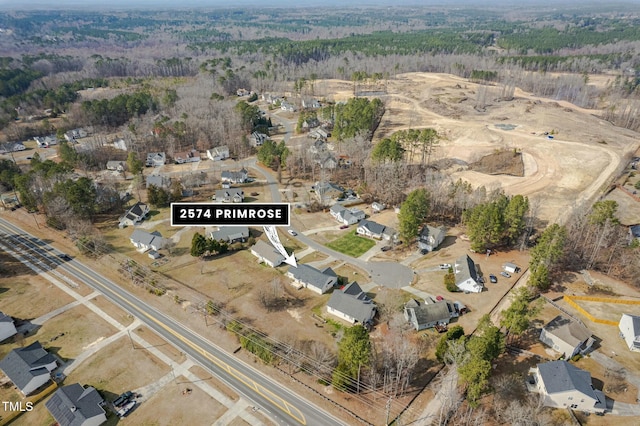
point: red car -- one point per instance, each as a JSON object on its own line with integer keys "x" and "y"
{"x": 439, "y": 298}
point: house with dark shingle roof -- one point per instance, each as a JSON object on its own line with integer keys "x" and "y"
{"x": 314, "y": 279}
{"x": 352, "y": 304}
{"x": 7, "y": 327}
{"x": 466, "y": 275}
{"x": 563, "y": 385}
{"x": 629, "y": 326}
{"x": 267, "y": 253}
{"x": 231, "y": 234}
{"x": 134, "y": 215}
{"x": 29, "y": 367}
{"x": 422, "y": 315}
{"x": 75, "y": 405}
{"x": 566, "y": 336}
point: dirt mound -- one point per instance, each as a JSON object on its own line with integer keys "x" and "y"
{"x": 501, "y": 163}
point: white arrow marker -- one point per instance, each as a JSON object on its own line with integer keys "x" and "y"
{"x": 273, "y": 236}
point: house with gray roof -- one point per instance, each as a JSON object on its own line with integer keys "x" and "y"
{"x": 319, "y": 281}
{"x": 144, "y": 241}
{"x": 566, "y": 336}
{"x": 75, "y": 405}
{"x": 8, "y": 147}
{"x": 218, "y": 153}
{"x": 134, "y": 215}
{"x": 159, "y": 181}
{"x": 352, "y": 305}
{"x": 346, "y": 216}
{"x": 7, "y": 327}
{"x": 266, "y": 253}
{"x": 423, "y": 315}
{"x": 327, "y": 190}
{"x": 231, "y": 234}
{"x": 229, "y": 195}
{"x": 240, "y": 176}
{"x": 370, "y": 229}
{"x": 431, "y": 237}
{"x": 46, "y": 141}
{"x": 466, "y": 274}
{"x": 74, "y": 134}
{"x": 115, "y": 165}
{"x": 629, "y": 326}
{"x": 28, "y": 368}
{"x": 563, "y": 385}
{"x": 156, "y": 159}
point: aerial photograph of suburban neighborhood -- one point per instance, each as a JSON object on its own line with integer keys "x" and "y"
{"x": 320, "y": 213}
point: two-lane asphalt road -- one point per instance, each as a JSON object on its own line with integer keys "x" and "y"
{"x": 283, "y": 406}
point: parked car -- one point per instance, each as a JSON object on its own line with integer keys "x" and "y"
{"x": 439, "y": 298}
{"x": 126, "y": 408}
{"x": 505, "y": 274}
{"x": 292, "y": 232}
{"x": 123, "y": 399}
{"x": 386, "y": 248}
{"x": 493, "y": 278}
{"x": 344, "y": 226}
{"x": 64, "y": 256}
{"x": 445, "y": 265}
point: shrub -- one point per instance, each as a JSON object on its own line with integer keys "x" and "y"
{"x": 450, "y": 282}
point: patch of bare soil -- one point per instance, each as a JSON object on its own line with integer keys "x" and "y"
{"x": 500, "y": 163}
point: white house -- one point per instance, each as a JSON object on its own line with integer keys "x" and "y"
{"x": 46, "y": 141}
{"x": 8, "y": 147}
{"x": 562, "y": 385}
{"x": 74, "y": 134}
{"x": 315, "y": 280}
{"x": 134, "y": 215}
{"x": 143, "y": 240}
{"x": 218, "y": 153}
{"x": 75, "y": 405}
{"x": 7, "y": 327}
{"x": 229, "y": 195}
{"x": 240, "y": 176}
{"x": 566, "y": 336}
{"x": 28, "y": 368}
{"x": 370, "y": 229}
{"x": 431, "y": 237}
{"x": 377, "y": 207}
{"x": 158, "y": 181}
{"x": 629, "y": 326}
{"x": 466, "y": 275}
{"x": 352, "y": 304}
{"x": 156, "y": 159}
{"x": 115, "y": 165}
{"x": 346, "y": 216}
{"x": 257, "y": 139}
{"x": 267, "y": 253}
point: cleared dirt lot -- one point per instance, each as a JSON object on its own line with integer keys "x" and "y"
{"x": 72, "y": 332}
{"x": 119, "y": 367}
{"x": 24, "y": 295}
{"x": 574, "y": 165}
{"x": 170, "y": 406}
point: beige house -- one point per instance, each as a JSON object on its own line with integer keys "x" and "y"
{"x": 562, "y": 385}
{"x": 566, "y": 336}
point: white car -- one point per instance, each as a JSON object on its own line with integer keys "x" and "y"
{"x": 126, "y": 408}
{"x": 445, "y": 266}
{"x": 292, "y": 232}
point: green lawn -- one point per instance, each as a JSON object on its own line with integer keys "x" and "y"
{"x": 351, "y": 244}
